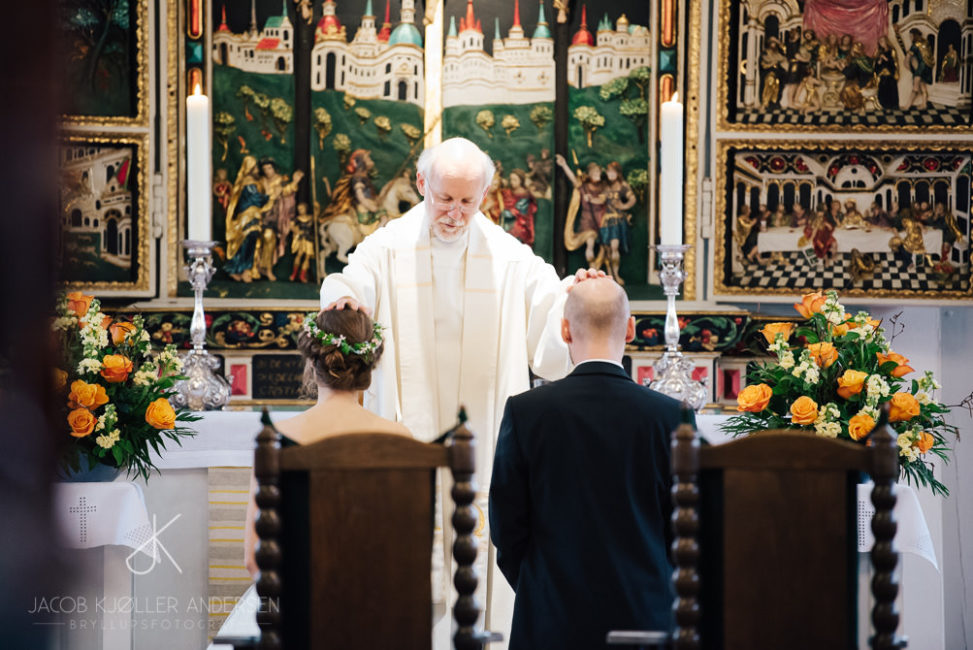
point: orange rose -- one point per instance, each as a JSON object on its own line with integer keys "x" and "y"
{"x": 85, "y": 395}
{"x": 82, "y": 422}
{"x": 60, "y": 380}
{"x": 120, "y": 331}
{"x": 851, "y": 383}
{"x": 78, "y": 303}
{"x": 754, "y": 398}
{"x": 160, "y": 414}
{"x": 117, "y": 367}
{"x": 842, "y": 328}
{"x": 771, "y": 330}
{"x": 902, "y": 367}
{"x": 824, "y": 354}
{"x": 804, "y": 410}
{"x": 811, "y": 303}
{"x": 904, "y": 407}
{"x": 860, "y": 425}
{"x": 926, "y": 441}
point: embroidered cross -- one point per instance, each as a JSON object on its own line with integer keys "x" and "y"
{"x": 82, "y": 510}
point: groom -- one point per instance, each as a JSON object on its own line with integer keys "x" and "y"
{"x": 579, "y": 500}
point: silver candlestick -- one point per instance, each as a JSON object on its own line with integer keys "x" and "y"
{"x": 674, "y": 372}
{"x": 203, "y": 388}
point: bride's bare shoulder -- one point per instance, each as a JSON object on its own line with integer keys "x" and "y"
{"x": 315, "y": 424}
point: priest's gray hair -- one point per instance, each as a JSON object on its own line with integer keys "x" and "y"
{"x": 597, "y": 309}
{"x": 455, "y": 151}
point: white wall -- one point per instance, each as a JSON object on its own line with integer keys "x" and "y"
{"x": 956, "y": 349}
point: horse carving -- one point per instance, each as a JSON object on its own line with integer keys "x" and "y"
{"x": 356, "y": 212}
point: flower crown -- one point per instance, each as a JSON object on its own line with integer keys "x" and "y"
{"x": 364, "y": 349}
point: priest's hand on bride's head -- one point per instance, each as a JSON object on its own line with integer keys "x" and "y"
{"x": 350, "y": 303}
{"x": 586, "y": 274}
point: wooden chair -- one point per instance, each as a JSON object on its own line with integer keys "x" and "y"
{"x": 766, "y": 543}
{"x": 346, "y": 530}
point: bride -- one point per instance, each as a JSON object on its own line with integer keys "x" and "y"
{"x": 340, "y": 348}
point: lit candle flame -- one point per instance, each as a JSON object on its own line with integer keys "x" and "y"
{"x": 197, "y": 91}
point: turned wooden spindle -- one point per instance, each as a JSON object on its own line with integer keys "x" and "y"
{"x": 685, "y": 523}
{"x": 266, "y": 469}
{"x": 885, "y": 587}
{"x": 467, "y": 609}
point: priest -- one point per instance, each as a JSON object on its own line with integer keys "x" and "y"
{"x": 467, "y": 308}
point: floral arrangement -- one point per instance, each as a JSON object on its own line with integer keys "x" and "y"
{"x": 831, "y": 375}
{"x": 115, "y": 390}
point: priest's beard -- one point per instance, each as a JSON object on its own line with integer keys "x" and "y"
{"x": 447, "y": 229}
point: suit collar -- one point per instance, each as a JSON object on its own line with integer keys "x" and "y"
{"x": 599, "y": 368}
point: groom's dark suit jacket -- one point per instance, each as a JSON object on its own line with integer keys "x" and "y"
{"x": 580, "y": 506}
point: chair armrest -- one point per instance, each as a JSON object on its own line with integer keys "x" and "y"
{"x": 238, "y": 642}
{"x": 643, "y": 638}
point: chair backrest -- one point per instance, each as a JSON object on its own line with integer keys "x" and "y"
{"x": 345, "y": 528}
{"x": 766, "y": 547}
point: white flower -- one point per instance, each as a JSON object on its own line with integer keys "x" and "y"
{"x": 145, "y": 376}
{"x": 101, "y": 422}
{"x": 89, "y": 366}
{"x": 827, "y": 429}
{"x": 910, "y": 452}
{"x": 64, "y": 323}
{"x": 108, "y": 441}
{"x": 787, "y": 360}
{"x": 923, "y": 397}
{"x": 145, "y": 337}
{"x": 928, "y": 382}
{"x": 876, "y": 386}
{"x": 811, "y": 375}
{"x": 870, "y": 411}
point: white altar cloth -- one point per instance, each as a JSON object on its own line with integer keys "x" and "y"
{"x": 912, "y": 535}
{"x": 100, "y": 514}
{"x": 875, "y": 240}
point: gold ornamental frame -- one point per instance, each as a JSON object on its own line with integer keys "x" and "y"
{"x": 141, "y": 217}
{"x": 141, "y": 80}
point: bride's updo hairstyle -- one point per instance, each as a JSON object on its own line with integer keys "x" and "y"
{"x": 340, "y": 348}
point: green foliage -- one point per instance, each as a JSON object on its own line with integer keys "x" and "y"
{"x": 411, "y": 132}
{"x": 485, "y": 120}
{"x": 384, "y": 125}
{"x": 224, "y": 125}
{"x": 322, "y": 124}
{"x": 342, "y": 146}
{"x": 113, "y": 390}
{"x": 633, "y": 93}
{"x": 843, "y": 363}
{"x": 541, "y": 115}
{"x": 283, "y": 115}
{"x": 614, "y": 88}
{"x": 591, "y": 120}
{"x": 509, "y": 123}
{"x": 638, "y": 179}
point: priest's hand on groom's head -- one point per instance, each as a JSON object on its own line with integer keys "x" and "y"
{"x": 586, "y": 274}
{"x": 349, "y": 303}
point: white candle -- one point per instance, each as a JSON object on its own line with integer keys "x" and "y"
{"x": 671, "y": 177}
{"x": 199, "y": 173}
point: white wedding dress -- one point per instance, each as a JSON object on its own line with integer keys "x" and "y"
{"x": 242, "y": 620}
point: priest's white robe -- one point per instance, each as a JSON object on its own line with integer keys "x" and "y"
{"x": 513, "y": 302}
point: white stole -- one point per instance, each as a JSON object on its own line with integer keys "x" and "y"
{"x": 414, "y": 311}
